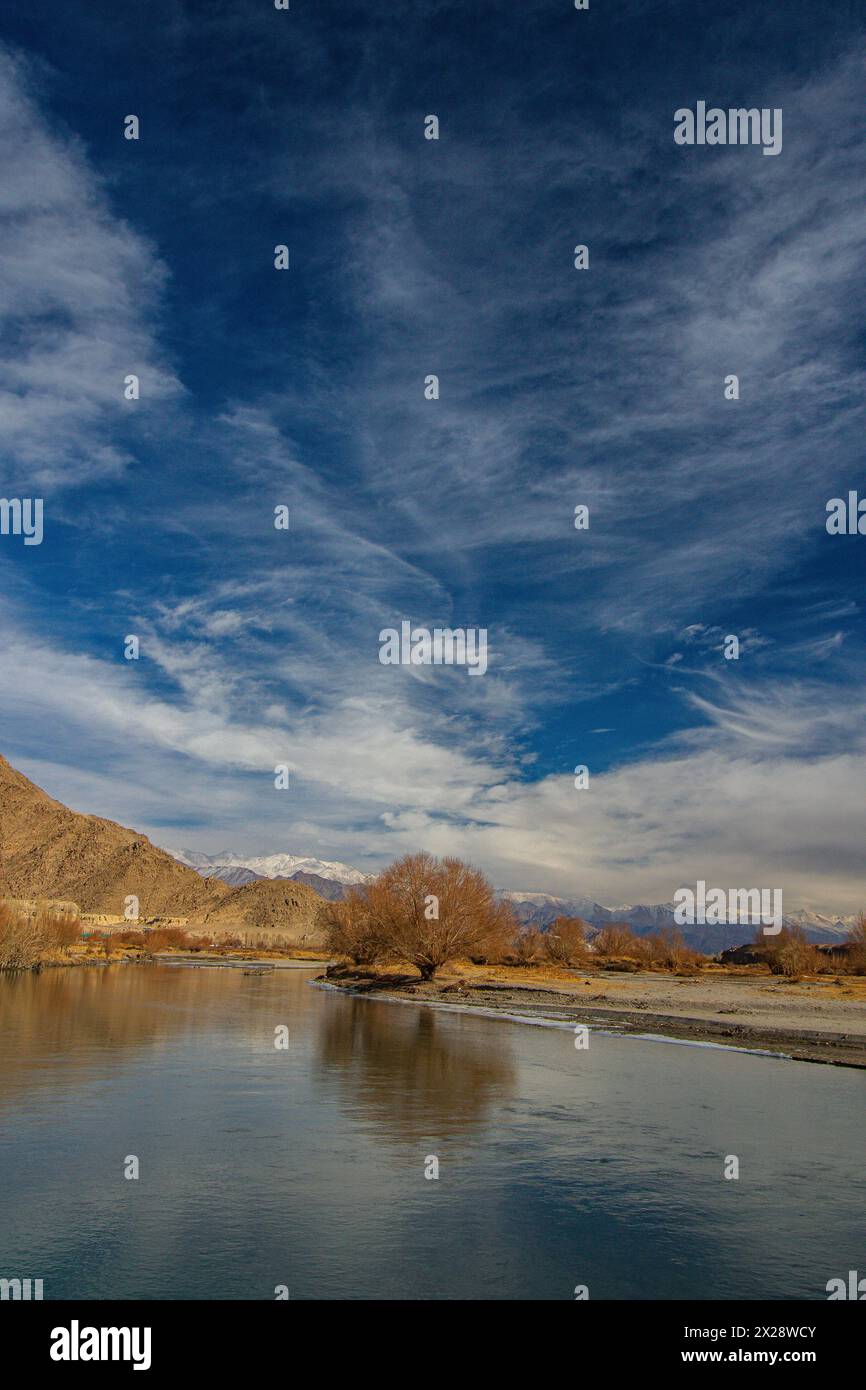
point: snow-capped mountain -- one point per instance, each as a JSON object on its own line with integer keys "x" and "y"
{"x": 235, "y": 878}
{"x": 269, "y": 865}
{"x": 817, "y": 921}
{"x": 540, "y": 909}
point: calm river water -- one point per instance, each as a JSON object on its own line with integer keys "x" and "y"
{"x": 305, "y": 1166}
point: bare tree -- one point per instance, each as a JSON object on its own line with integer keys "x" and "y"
{"x": 350, "y": 929}
{"x": 790, "y": 952}
{"x": 527, "y": 946}
{"x": 62, "y": 930}
{"x": 667, "y": 949}
{"x": 565, "y": 941}
{"x": 857, "y": 955}
{"x": 614, "y": 940}
{"x": 429, "y": 911}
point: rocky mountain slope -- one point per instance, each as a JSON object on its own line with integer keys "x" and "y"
{"x": 279, "y": 905}
{"x": 48, "y": 851}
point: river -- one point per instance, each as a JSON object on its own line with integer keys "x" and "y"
{"x": 303, "y": 1168}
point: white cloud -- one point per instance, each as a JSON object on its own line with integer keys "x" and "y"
{"x": 768, "y": 793}
{"x": 77, "y": 289}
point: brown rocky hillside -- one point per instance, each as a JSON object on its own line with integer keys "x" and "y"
{"x": 48, "y": 851}
{"x": 269, "y": 904}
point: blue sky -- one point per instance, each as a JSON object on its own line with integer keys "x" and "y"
{"x": 558, "y": 387}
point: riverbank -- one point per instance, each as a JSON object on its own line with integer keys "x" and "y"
{"x": 98, "y": 952}
{"x": 813, "y": 1020}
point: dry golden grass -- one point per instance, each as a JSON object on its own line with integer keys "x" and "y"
{"x": 28, "y": 938}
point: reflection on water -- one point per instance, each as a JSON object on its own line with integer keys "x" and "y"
{"x": 408, "y": 1071}
{"x": 305, "y": 1166}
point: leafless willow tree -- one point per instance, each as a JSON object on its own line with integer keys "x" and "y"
{"x": 429, "y": 911}
{"x": 527, "y": 947}
{"x": 856, "y": 954}
{"x": 351, "y": 930}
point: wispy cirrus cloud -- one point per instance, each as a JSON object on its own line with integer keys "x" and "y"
{"x": 78, "y": 292}
{"x": 607, "y": 386}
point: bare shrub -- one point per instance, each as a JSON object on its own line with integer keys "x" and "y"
{"x": 167, "y": 939}
{"x": 616, "y": 940}
{"x": 789, "y": 953}
{"x": 22, "y": 939}
{"x": 29, "y": 936}
{"x": 648, "y": 951}
{"x": 526, "y": 947}
{"x": 60, "y": 930}
{"x": 667, "y": 949}
{"x": 352, "y": 930}
{"x": 857, "y": 953}
{"x": 130, "y": 938}
{"x": 565, "y": 942}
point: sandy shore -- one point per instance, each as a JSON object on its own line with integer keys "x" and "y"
{"x": 815, "y": 1020}
{"x": 261, "y": 964}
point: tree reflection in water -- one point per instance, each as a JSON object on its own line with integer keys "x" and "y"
{"x": 411, "y": 1068}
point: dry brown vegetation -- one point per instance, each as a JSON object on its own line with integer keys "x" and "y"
{"x": 422, "y": 910}
{"x": 526, "y": 948}
{"x": 857, "y": 956}
{"x": 615, "y": 941}
{"x": 564, "y": 943}
{"x": 158, "y": 939}
{"x": 666, "y": 950}
{"x": 790, "y": 953}
{"x": 27, "y": 938}
{"x": 429, "y": 912}
{"x": 352, "y": 930}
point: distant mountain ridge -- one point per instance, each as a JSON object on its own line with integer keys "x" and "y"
{"x": 236, "y": 878}
{"x": 540, "y": 909}
{"x": 330, "y": 888}
{"x": 268, "y": 865}
{"x": 536, "y": 909}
